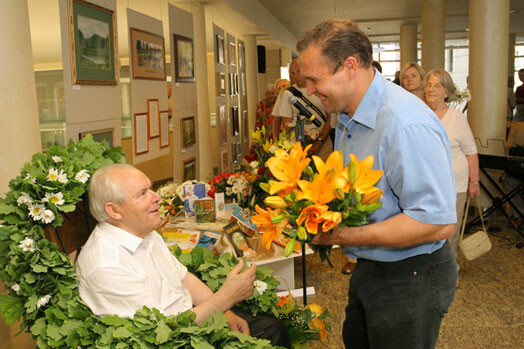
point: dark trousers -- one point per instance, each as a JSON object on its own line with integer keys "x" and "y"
{"x": 400, "y": 304}
{"x": 266, "y": 327}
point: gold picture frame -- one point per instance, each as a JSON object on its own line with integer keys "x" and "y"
{"x": 148, "y": 55}
{"x": 187, "y": 131}
{"x": 188, "y": 169}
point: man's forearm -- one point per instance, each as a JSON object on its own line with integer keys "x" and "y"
{"x": 397, "y": 231}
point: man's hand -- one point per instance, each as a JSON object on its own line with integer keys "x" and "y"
{"x": 236, "y": 323}
{"x": 333, "y": 237}
{"x": 315, "y": 148}
{"x": 239, "y": 285}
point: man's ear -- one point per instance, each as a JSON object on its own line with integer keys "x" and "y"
{"x": 113, "y": 210}
{"x": 351, "y": 64}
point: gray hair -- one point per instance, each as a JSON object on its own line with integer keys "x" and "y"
{"x": 446, "y": 81}
{"x": 339, "y": 39}
{"x": 270, "y": 87}
{"x": 103, "y": 188}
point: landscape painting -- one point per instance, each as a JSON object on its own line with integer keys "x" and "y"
{"x": 147, "y": 55}
{"x": 92, "y": 34}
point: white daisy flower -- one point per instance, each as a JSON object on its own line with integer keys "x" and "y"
{"x": 48, "y": 216}
{"x": 56, "y": 158}
{"x": 229, "y": 192}
{"x": 25, "y": 199}
{"x": 31, "y": 179}
{"x": 236, "y": 189}
{"x": 16, "y": 288}
{"x": 180, "y": 191}
{"x": 231, "y": 180}
{"x": 82, "y": 176}
{"x": 253, "y": 164}
{"x": 43, "y": 301}
{"x": 261, "y": 286}
{"x": 62, "y": 177}
{"x": 55, "y": 198}
{"x": 53, "y": 175}
{"x": 36, "y": 211}
{"x": 27, "y": 245}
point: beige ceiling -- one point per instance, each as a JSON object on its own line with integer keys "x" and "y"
{"x": 276, "y": 23}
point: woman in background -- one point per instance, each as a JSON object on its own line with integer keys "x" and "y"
{"x": 411, "y": 78}
{"x": 440, "y": 90}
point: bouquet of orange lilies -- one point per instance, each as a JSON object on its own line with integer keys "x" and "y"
{"x": 303, "y": 200}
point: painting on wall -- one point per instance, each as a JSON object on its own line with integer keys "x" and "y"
{"x": 164, "y": 129}
{"x": 220, "y": 50}
{"x": 93, "y": 39}
{"x": 153, "y": 118}
{"x": 221, "y": 84}
{"x": 184, "y": 59}
{"x": 188, "y": 169}
{"x": 223, "y": 124}
{"x": 187, "y": 129}
{"x": 245, "y": 128}
{"x": 224, "y": 160}
{"x": 148, "y": 58}
{"x": 105, "y": 135}
{"x": 235, "y": 121}
{"x": 141, "y": 131}
{"x": 232, "y": 53}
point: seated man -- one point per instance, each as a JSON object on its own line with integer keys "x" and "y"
{"x": 125, "y": 264}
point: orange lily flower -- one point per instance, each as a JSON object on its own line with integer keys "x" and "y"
{"x": 271, "y": 230}
{"x": 371, "y": 196}
{"x": 287, "y": 168}
{"x": 330, "y": 177}
{"x": 313, "y": 217}
{"x": 365, "y": 177}
{"x": 331, "y": 220}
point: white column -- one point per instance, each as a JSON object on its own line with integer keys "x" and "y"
{"x": 205, "y": 161}
{"x": 251, "y": 79}
{"x": 511, "y": 55}
{"x": 433, "y": 34}
{"x": 488, "y": 68}
{"x": 19, "y": 113}
{"x": 408, "y": 43}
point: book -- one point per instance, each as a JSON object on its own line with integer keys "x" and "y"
{"x": 205, "y": 210}
{"x": 282, "y": 241}
{"x": 244, "y": 221}
{"x": 185, "y": 239}
{"x": 209, "y": 239}
{"x": 238, "y": 239}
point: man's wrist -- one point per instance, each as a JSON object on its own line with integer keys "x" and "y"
{"x": 474, "y": 182}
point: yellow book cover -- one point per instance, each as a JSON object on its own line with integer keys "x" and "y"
{"x": 185, "y": 239}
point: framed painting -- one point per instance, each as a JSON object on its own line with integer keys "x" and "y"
{"x": 104, "y": 135}
{"x": 232, "y": 53}
{"x": 234, "y": 152}
{"x": 92, "y": 32}
{"x": 238, "y": 150}
{"x": 241, "y": 55}
{"x": 224, "y": 160}
{"x": 153, "y": 118}
{"x": 220, "y": 50}
{"x": 148, "y": 58}
{"x": 221, "y": 84}
{"x": 140, "y": 131}
{"x": 245, "y": 130}
{"x": 187, "y": 128}
{"x": 184, "y": 59}
{"x": 188, "y": 169}
{"x": 223, "y": 124}
{"x": 164, "y": 129}
{"x": 235, "y": 121}
{"x": 232, "y": 91}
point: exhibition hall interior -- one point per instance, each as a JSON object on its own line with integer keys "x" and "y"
{"x": 328, "y": 143}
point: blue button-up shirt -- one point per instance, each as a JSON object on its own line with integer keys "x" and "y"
{"x": 410, "y": 145}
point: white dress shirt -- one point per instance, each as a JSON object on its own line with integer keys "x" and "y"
{"x": 119, "y": 273}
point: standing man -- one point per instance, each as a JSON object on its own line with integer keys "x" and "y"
{"x": 285, "y": 114}
{"x": 406, "y": 274}
{"x": 126, "y": 265}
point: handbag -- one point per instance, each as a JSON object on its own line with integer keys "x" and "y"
{"x": 477, "y": 243}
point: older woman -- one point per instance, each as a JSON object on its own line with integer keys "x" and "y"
{"x": 265, "y": 107}
{"x": 281, "y": 85}
{"x": 411, "y": 78}
{"x": 440, "y": 89}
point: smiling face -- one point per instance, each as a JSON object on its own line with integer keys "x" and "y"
{"x": 435, "y": 92}
{"x": 138, "y": 214}
{"x": 411, "y": 80}
{"x": 295, "y": 76}
{"x": 282, "y": 85}
{"x": 329, "y": 86}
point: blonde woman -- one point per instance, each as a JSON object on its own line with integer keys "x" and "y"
{"x": 411, "y": 78}
{"x": 440, "y": 90}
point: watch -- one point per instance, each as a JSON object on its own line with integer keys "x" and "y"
{"x": 319, "y": 139}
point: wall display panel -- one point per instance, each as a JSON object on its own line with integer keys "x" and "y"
{"x": 148, "y": 58}
{"x": 92, "y": 32}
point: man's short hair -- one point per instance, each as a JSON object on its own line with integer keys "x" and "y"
{"x": 104, "y": 188}
{"x": 339, "y": 39}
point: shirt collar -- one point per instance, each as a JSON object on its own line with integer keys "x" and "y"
{"x": 122, "y": 237}
{"x": 367, "y": 111}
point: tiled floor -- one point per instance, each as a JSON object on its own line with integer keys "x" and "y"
{"x": 488, "y": 309}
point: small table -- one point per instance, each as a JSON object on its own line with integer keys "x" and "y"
{"x": 273, "y": 258}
